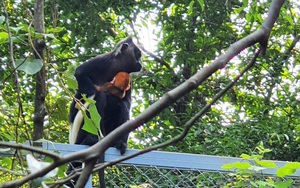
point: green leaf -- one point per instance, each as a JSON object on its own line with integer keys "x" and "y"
{"x": 263, "y": 184}
{"x": 201, "y": 3}
{"x": 249, "y": 17}
{"x": 294, "y": 165}
{"x": 88, "y": 100}
{"x": 288, "y": 169}
{"x": 42, "y": 35}
{"x": 239, "y": 165}
{"x": 227, "y": 166}
{"x": 2, "y": 18}
{"x": 289, "y": 19}
{"x": 92, "y": 124}
{"x": 191, "y": 7}
{"x": 267, "y": 150}
{"x": 242, "y": 165}
{"x": 6, "y": 162}
{"x": 96, "y": 118}
{"x": 144, "y": 23}
{"x": 283, "y": 184}
{"x": 283, "y": 171}
{"x": 49, "y": 35}
{"x": 29, "y": 66}
{"x": 17, "y": 29}
{"x": 55, "y": 30}
{"x": 72, "y": 83}
{"x": 89, "y": 126}
{"x": 245, "y": 3}
{"x": 256, "y": 156}
{"x": 3, "y": 36}
{"x": 268, "y": 164}
{"x": 253, "y": 184}
{"x": 37, "y": 35}
{"x": 245, "y": 156}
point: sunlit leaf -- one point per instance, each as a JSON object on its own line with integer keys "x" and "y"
{"x": 283, "y": 171}
{"x": 227, "y": 166}
{"x": 245, "y": 156}
{"x": 30, "y": 66}
{"x": 92, "y": 123}
{"x": 72, "y": 83}
{"x": 242, "y": 165}
{"x": 6, "y": 162}
{"x": 268, "y": 164}
{"x": 55, "y": 30}
{"x": 293, "y": 165}
{"x": 3, "y": 35}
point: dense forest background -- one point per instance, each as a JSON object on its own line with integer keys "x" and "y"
{"x": 259, "y": 115}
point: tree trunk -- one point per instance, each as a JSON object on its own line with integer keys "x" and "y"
{"x": 40, "y": 92}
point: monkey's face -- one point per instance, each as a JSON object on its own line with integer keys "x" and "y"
{"x": 128, "y": 56}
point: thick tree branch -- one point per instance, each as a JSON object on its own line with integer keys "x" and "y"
{"x": 40, "y": 88}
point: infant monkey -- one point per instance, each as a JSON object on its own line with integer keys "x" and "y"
{"x": 118, "y": 86}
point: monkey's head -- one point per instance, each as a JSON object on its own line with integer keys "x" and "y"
{"x": 128, "y": 56}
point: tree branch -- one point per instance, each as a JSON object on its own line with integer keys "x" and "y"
{"x": 16, "y": 77}
{"x": 188, "y": 124}
{"x": 31, "y": 149}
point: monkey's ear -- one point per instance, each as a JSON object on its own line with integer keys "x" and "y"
{"x": 121, "y": 49}
{"x": 124, "y": 46}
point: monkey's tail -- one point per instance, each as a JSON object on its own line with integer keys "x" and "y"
{"x": 101, "y": 172}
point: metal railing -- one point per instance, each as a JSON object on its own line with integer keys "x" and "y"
{"x": 169, "y": 169}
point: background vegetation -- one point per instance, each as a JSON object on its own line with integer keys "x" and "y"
{"x": 259, "y": 115}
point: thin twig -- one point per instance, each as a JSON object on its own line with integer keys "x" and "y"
{"x": 16, "y": 77}
{"x": 31, "y": 149}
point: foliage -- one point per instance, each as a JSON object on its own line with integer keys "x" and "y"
{"x": 260, "y": 111}
{"x": 246, "y": 173}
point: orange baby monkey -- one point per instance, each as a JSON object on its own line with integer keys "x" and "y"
{"x": 118, "y": 86}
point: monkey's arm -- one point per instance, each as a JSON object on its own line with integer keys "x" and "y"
{"x": 83, "y": 76}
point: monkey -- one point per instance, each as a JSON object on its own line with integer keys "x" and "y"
{"x": 105, "y": 79}
{"x": 118, "y": 86}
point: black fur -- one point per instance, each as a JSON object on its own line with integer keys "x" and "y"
{"x": 113, "y": 110}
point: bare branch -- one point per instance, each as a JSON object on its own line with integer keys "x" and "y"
{"x": 84, "y": 176}
{"x": 16, "y": 77}
{"x": 30, "y": 148}
{"x": 155, "y": 57}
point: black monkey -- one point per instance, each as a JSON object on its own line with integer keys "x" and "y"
{"x": 114, "y": 111}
